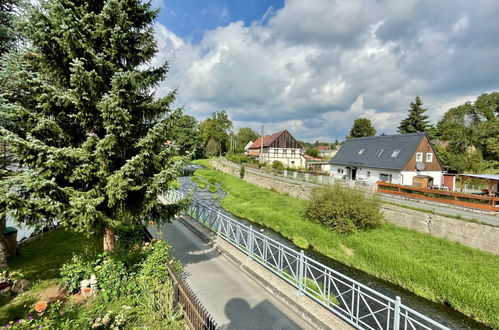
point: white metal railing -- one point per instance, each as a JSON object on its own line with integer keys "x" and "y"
{"x": 354, "y": 302}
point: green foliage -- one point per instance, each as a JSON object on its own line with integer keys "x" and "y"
{"x": 212, "y": 188}
{"x": 242, "y": 171}
{"x": 213, "y": 148}
{"x": 243, "y": 136}
{"x": 362, "y": 127}
{"x": 471, "y": 131}
{"x": 313, "y": 152}
{"x": 89, "y": 128}
{"x": 157, "y": 300}
{"x": 7, "y": 19}
{"x": 237, "y": 158}
{"x": 74, "y": 271}
{"x": 417, "y": 120}
{"x": 344, "y": 209}
{"x": 398, "y": 255}
{"x": 186, "y": 136}
{"x": 277, "y": 165}
{"x": 216, "y": 129}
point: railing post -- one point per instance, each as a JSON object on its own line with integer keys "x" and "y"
{"x": 219, "y": 223}
{"x": 285, "y": 173}
{"x": 306, "y": 176}
{"x": 300, "y": 274}
{"x": 295, "y": 174}
{"x": 396, "y": 314}
{"x": 250, "y": 243}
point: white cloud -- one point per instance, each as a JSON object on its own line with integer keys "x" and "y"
{"x": 313, "y": 67}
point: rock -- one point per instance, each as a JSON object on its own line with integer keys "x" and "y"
{"x": 20, "y": 286}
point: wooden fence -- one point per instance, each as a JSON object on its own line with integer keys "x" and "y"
{"x": 195, "y": 315}
{"x": 450, "y": 197}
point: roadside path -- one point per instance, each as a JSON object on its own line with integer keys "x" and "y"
{"x": 469, "y": 215}
{"x": 233, "y": 299}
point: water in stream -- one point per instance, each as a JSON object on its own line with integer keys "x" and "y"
{"x": 438, "y": 312}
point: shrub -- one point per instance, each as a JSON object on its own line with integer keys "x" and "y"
{"x": 277, "y": 165}
{"x": 237, "y": 158}
{"x": 242, "y": 171}
{"x": 344, "y": 209}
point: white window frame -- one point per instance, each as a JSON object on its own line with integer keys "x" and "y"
{"x": 361, "y": 151}
{"x": 379, "y": 152}
{"x": 419, "y": 156}
{"x": 429, "y": 157}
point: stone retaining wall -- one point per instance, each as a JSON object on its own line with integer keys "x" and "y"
{"x": 474, "y": 235}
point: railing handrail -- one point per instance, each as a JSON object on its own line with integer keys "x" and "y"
{"x": 397, "y": 313}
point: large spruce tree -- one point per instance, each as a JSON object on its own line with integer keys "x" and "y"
{"x": 417, "y": 120}
{"x": 90, "y": 131}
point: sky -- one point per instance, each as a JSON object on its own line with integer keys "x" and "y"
{"x": 313, "y": 66}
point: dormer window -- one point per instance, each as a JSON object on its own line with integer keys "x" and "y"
{"x": 361, "y": 151}
{"x": 395, "y": 153}
{"x": 429, "y": 157}
{"x": 419, "y": 156}
{"x": 379, "y": 152}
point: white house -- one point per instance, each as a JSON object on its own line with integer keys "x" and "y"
{"x": 281, "y": 146}
{"x": 391, "y": 158}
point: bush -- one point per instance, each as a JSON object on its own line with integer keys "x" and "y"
{"x": 344, "y": 209}
{"x": 236, "y": 158}
{"x": 277, "y": 165}
{"x": 242, "y": 171}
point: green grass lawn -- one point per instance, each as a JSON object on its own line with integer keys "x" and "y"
{"x": 39, "y": 261}
{"x": 437, "y": 269}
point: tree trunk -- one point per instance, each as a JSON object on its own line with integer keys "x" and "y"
{"x": 109, "y": 240}
{"x": 3, "y": 246}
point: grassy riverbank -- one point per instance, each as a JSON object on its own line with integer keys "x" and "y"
{"x": 434, "y": 268}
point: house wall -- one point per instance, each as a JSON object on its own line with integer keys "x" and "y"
{"x": 290, "y": 157}
{"x": 373, "y": 176}
{"x": 409, "y": 175}
{"x": 425, "y": 148}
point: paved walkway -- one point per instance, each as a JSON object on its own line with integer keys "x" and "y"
{"x": 469, "y": 215}
{"x": 233, "y": 299}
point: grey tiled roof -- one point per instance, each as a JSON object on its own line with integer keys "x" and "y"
{"x": 406, "y": 143}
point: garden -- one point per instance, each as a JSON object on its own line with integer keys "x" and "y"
{"x": 72, "y": 284}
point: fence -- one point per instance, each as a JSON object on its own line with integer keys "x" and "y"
{"x": 354, "y": 302}
{"x": 195, "y": 315}
{"x": 487, "y": 203}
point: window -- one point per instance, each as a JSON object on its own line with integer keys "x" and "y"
{"x": 385, "y": 177}
{"x": 361, "y": 151}
{"x": 379, "y": 152}
{"x": 284, "y": 153}
{"x": 395, "y": 153}
{"x": 340, "y": 171}
{"x": 293, "y": 153}
{"x": 368, "y": 174}
{"x": 419, "y": 156}
{"x": 429, "y": 157}
{"x": 276, "y": 153}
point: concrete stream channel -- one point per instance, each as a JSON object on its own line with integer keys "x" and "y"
{"x": 438, "y": 312}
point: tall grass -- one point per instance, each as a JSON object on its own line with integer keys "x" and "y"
{"x": 434, "y": 268}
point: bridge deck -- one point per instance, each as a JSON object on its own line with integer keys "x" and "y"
{"x": 233, "y": 299}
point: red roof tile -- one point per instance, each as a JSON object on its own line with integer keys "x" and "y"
{"x": 267, "y": 140}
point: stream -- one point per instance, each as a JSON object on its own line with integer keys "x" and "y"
{"x": 438, "y": 312}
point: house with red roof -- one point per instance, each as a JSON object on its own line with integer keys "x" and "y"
{"x": 281, "y": 146}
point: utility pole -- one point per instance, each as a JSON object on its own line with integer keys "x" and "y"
{"x": 261, "y": 147}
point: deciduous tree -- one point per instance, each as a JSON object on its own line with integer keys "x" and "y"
{"x": 362, "y": 127}
{"x": 216, "y": 127}
{"x": 91, "y": 131}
